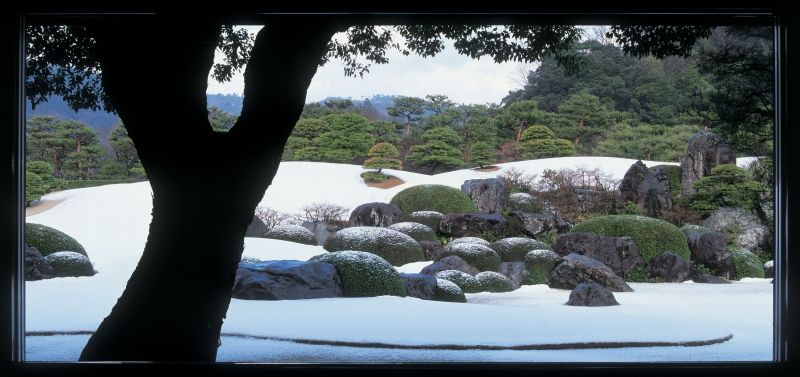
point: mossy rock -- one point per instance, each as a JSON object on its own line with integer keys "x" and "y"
{"x": 70, "y": 263}
{"x": 393, "y": 246}
{"x": 49, "y": 240}
{"x": 747, "y": 264}
{"x": 448, "y": 291}
{"x": 514, "y": 249}
{"x": 463, "y": 280}
{"x": 292, "y": 233}
{"x": 494, "y": 282}
{"x": 439, "y": 198}
{"x": 417, "y": 231}
{"x": 364, "y": 274}
{"x": 674, "y": 175}
{"x": 539, "y": 263}
{"x": 481, "y": 257}
{"x": 465, "y": 240}
{"x": 429, "y": 218}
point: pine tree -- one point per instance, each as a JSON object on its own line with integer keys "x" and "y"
{"x": 482, "y": 154}
{"x": 382, "y": 156}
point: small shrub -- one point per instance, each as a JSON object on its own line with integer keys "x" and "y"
{"x": 439, "y": 198}
{"x": 271, "y": 217}
{"x": 494, "y": 282}
{"x": 465, "y": 281}
{"x": 727, "y": 185}
{"x": 576, "y": 193}
{"x": 467, "y": 240}
{"x": 49, "y": 240}
{"x": 395, "y": 247}
{"x": 632, "y": 208}
{"x": 517, "y": 181}
{"x": 539, "y": 263}
{"x": 382, "y": 156}
{"x": 417, "y": 231}
{"x": 747, "y": 264}
{"x": 514, "y": 249}
{"x": 293, "y": 233}
{"x": 429, "y": 218}
{"x": 698, "y": 269}
{"x": 522, "y": 201}
{"x": 374, "y": 177}
{"x": 640, "y": 275}
{"x": 364, "y": 274}
{"x": 481, "y": 257}
{"x": 448, "y": 291}
{"x": 70, "y": 263}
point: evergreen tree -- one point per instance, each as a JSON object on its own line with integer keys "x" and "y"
{"x": 585, "y": 118}
{"x": 539, "y": 142}
{"x": 438, "y": 152}
{"x": 410, "y": 108}
{"x": 347, "y": 140}
{"x": 482, "y": 154}
{"x": 727, "y": 185}
{"x": 220, "y": 120}
{"x": 382, "y": 156}
{"x": 124, "y": 150}
{"x": 519, "y": 115}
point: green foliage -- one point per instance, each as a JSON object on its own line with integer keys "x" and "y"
{"x": 374, "y": 177}
{"x": 395, "y": 247}
{"x": 698, "y": 269}
{"x": 448, "y": 291}
{"x": 747, "y": 264}
{"x": 640, "y": 275}
{"x": 292, "y": 233}
{"x": 438, "y": 151}
{"x": 337, "y": 137}
{"x": 49, "y": 240}
{"x": 539, "y": 142}
{"x": 364, "y": 274}
{"x": 465, "y": 281}
{"x": 75, "y": 184}
{"x": 112, "y": 169}
{"x": 220, "y": 120}
{"x": 70, "y": 147}
{"x": 481, "y": 257}
{"x": 727, "y": 185}
{"x": 537, "y": 132}
{"x": 481, "y": 154}
{"x": 539, "y": 263}
{"x": 646, "y": 142}
{"x": 632, "y": 208}
{"x": 439, "y": 198}
{"x": 417, "y": 231}
{"x": 125, "y": 151}
{"x": 429, "y": 218}
{"x": 70, "y": 264}
{"x": 491, "y": 281}
{"x": 584, "y": 116}
{"x": 514, "y": 249}
{"x": 34, "y": 187}
{"x": 382, "y": 156}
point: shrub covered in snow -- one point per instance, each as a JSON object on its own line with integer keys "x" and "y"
{"x": 292, "y": 233}
{"x": 416, "y": 231}
{"x": 70, "y": 263}
{"x": 429, "y": 218}
{"x": 481, "y": 257}
{"x": 539, "y": 263}
{"x": 49, "y": 240}
{"x": 494, "y": 282}
{"x": 522, "y": 201}
{"x": 395, "y": 247}
{"x": 249, "y": 259}
{"x": 463, "y": 280}
{"x": 439, "y": 198}
{"x": 476, "y": 240}
{"x": 364, "y": 274}
{"x": 513, "y": 249}
{"x": 747, "y": 264}
{"x": 448, "y": 291}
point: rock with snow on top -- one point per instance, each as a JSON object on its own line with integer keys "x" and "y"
{"x": 465, "y": 281}
{"x": 476, "y": 240}
{"x": 574, "y": 269}
{"x": 474, "y": 224}
{"x": 36, "y": 266}
{"x": 417, "y": 231}
{"x": 448, "y": 291}
{"x": 451, "y": 262}
{"x": 494, "y": 282}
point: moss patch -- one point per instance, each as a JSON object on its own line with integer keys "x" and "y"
{"x": 747, "y": 264}
{"x": 49, "y": 240}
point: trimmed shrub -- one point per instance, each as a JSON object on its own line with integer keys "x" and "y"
{"x": 465, "y": 281}
{"x": 395, "y": 247}
{"x": 481, "y": 257}
{"x": 466, "y": 240}
{"x": 539, "y": 263}
{"x": 364, "y": 274}
{"x": 439, "y": 198}
{"x": 448, "y": 291}
{"x": 494, "y": 282}
{"x": 374, "y": 177}
{"x": 522, "y": 201}
{"x": 70, "y": 263}
{"x": 747, "y": 264}
{"x": 417, "y": 231}
{"x": 429, "y": 218}
{"x": 514, "y": 249}
{"x": 727, "y": 185}
{"x": 49, "y": 240}
{"x": 293, "y": 233}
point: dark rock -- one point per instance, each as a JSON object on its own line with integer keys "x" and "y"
{"x": 323, "y": 230}
{"x": 709, "y": 279}
{"x": 36, "y": 266}
{"x": 591, "y": 294}
{"x": 537, "y": 224}
{"x": 474, "y": 224}
{"x": 769, "y": 270}
{"x": 420, "y": 285}
{"x": 516, "y": 272}
{"x": 450, "y": 262}
{"x": 431, "y": 249}
{"x": 489, "y": 195}
{"x": 286, "y": 280}
{"x": 588, "y": 198}
{"x": 375, "y": 214}
{"x": 706, "y": 150}
{"x": 257, "y": 228}
{"x": 646, "y": 187}
{"x": 574, "y": 269}
{"x": 710, "y": 249}
{"x": 670, "y": 267}
{"x": 752, "y": 235}
{"x": 620, "y": 254}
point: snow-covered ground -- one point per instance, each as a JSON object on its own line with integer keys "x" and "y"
{"x": 112, "y": 221}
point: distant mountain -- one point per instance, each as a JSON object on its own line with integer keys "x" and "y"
{"x": 229, "y": 103}
{"x": 232, "y": 103}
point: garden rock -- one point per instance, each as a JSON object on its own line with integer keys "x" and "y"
{"x": 465, "y": 281}
{"x": 375, "y": 214}
{"x": 647, "y": 187}
{"x": 670, "y": 267}
{"x": 286, "y": 280}
{"x": 516, "y": 272}
{"x": 451, "y": 262}
{"x": 36, "y": 266}
{"x": 395, "y": 247}
{"x": 711, "y": 250}
{"x": 70, "y": 263}
{"x": 489, "y": 195}
{"x": 752, "y": 236}
{"x": 709, "y": 279}
{"x": 257, "y": 228}
{"x": 420, "y": 285}
{"x": 431, "y": 249}
{"x": 591, "y": 294}
{"x": 537, "y": 224}
{"x": 475, "y": 224}
{"x": 618, "y": 253}
{"x": 574, "y": 269}
{"x": 706, "y": 150}
{"x": 769, "y": 269}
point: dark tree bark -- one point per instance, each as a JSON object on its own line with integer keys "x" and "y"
{"x": 205, "y": 184}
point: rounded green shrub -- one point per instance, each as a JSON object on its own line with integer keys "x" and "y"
{"x": 70, "y": 263}
{"x": 747, "y": 264}
{"x": 49, "y": 240}
{"x": 539, "y": 263}
{"x": 494, "y": 282}
{"x": 514, "y": 249}
{"x": 416, "y": 231}
{"x": 465, "y": 281}
{"x": 395, "y": 247}
{"x": 364, "y": 274}
{"x": 293, "y": 233}
{"x": 466, "y": 240}
{"x": 439, "y": 198}
{"x": 429, "y": 218}
{"x": 448, "y": 291}
{"x": 481, "y": 257}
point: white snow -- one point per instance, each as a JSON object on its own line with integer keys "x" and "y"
{"x": 111, "y": 222}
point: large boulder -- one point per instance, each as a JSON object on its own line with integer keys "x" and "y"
{"x": 395, "y": 247}
{"x": 450, "y": 262}
{"x": 709, "y": 279}
{"x": 706, "y": 150}
{"x": 70, "y": 263}
{"x": 516, "y": 272}
{"x": 646, "y": 187}
{"x": 375, "y": 214}
{"x": 537, "y": 224}
{"x": 513, "y": 249}
{"x": 364, "y": 274}
{"x": 36, "y": 266}
{"x": 591, "y": 294}
{"x": 475, "y": 224}
{"x": 489, "y": 195}
{"x": 574, "y": 269}
{"x": 750, "y": 233}
{"x": 292, "y": 233}
{"x": 482, "y": 257}
{"x": 711, "y": 250}
{"x": 286, "y": 280}
{"x": 257, "y": 228}
{"x": 670, "y": 267}
{"x": 618, "y": 253}
{"x": 420, "y": 285}
{"x": 323, "y": 230}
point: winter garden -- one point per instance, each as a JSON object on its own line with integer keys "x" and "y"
{"x": 590, "y": 216}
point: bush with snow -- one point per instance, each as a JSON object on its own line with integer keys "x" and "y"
{"x": 465, "y": 281}
{"x": 514, "y": 249}
{"x": 292, "y": 233}
{"x": 494, "y": 282}
{"x": 429, "y": 218}
{"x": 476, "y": 240}
{"x": 522, "y": 201}
{"x": 416, "y": 231}
{"x": 70, "y": 263}
{"x": 747, "y": 264}
{"x": 49, "y": 240}
{"x": 364, "y": 274}
{"x": 439, "y": 198}
{"x": 481, "y": 257}
{"x": 395, "y": 247}
{"x": 539, "y": 263}
{"x": 448, "y": 291}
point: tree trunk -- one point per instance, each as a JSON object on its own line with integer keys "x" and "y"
{"x": 206, "y": 185}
